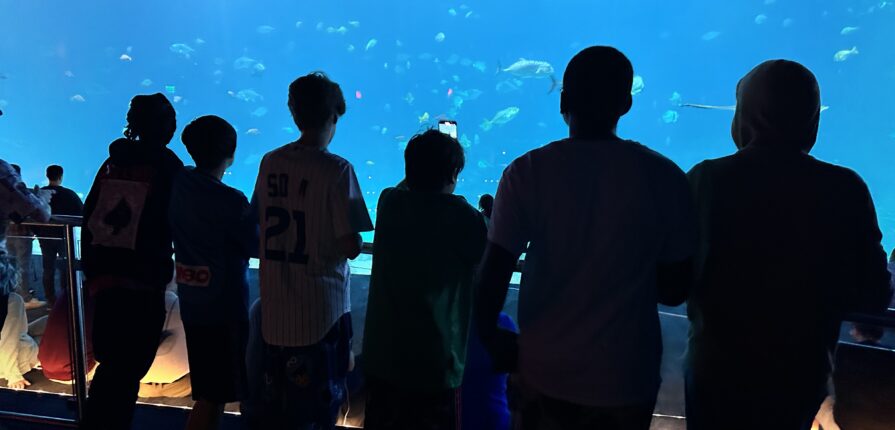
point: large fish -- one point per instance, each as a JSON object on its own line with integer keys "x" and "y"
{"x": 532, "y": 69}
{"x": 728, "y": 107}
{"x": 500, "y": 118}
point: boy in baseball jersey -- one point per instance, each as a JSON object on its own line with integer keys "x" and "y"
{"x": 311, "y": 215}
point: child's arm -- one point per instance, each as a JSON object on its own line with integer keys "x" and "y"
{"x": 349, "y": 213}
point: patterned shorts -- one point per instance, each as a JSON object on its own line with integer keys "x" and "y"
{"x": 304, "y": 387}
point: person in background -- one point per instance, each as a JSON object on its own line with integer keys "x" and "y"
{"x": 126, "y": 256}
{"x": 611, "y": 230}
{"x": 20, "y": 247}
{"x": 169, "y": 375}
{"x": 18, "y": 203}
{"x": 760, "y": 210}
{"x": 65, "y": 202}
{"x": 486, "y": 205}
{"x": 484, "y": 393}
{"x": 215, "y": 234}
{"x": 428, "y": 243}
{"x": 312, "y": 212}
{"x": 18, "y": 347}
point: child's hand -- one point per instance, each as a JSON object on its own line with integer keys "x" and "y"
{"x": 19, "y": 385}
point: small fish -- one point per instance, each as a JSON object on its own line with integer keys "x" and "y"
{"x": 253, "y": 132}
{"x": 399, "y": 43}
{"x": 289, "y": 130}
{"x": 129, "y": 49}
{"x": 77, "y": 98}
{"x": 450, "y": 92}
{"x": 170, "y": 89}
{"x": 68, "y": 74}
{"x": 248, "y": 95}
{"x": 675, "y": 98}
{"x": 787, "y": 23}
{"x": 358, "y": 95}
{"x": 424, "y": 118}
{"x": 370, "y": 44}
{"x": 845, "y": 54}
{"x": 711, "y": 35}
{"x": 452, "y": 12}
{"x": 199, "y": 41}
{"x": 409, "y": 98}
{"x": 319, "y": 26}
{"x": 468, "y": 14}
{"x": 637, "y": 85}
{"x": 126, "y": 58}
{"x": 244, "y": 63}
{"x": 259, "y": 112}
{"x": 761, "y": 19}
{"x": 439, "y": 37}
{"x": 258, "y": 69}
{"x": 146, "y": 82}
{"x": 465, "y": 142}
{"x": 342, "y": 30}
{"x": 480, "y": 66}
{"x": 355, "y": 24}
{"x": 265, "y": 29}
{"x": 350, "y": 48}
{"x": 177, "y": 99}
{"x": 182, "y": 49}
{"x": 383, "y": 131}
{"x": 849, "y": 30}
{"x": 298, "y": 24}
{"x": 370, "y": 163}
{"x": 670, "y": 117}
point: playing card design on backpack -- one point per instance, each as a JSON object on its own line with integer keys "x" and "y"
{"x": 122, "y": 197}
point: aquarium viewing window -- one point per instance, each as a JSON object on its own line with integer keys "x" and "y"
{"x": 68, "y": 69}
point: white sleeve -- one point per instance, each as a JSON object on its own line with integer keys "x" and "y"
{"x": 13, "y": 328}
{"x": 347, "y": 206}
{"x": 510, "y": 218}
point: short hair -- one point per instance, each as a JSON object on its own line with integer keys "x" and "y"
{"x": 54, "y": 172}
{"x": 597, "y": 84}
{"x": 210, "y": 140}
{"x": 432, "y": 160}
{"x": 17, "y": 168}
{"x": 314, "y": 100}
{"x": 486, "y": 204}
{"x": 152, "y": 118}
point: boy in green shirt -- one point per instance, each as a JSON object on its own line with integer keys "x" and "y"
{"x": 428, "y": 242}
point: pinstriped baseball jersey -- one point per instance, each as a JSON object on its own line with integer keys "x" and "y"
{"x": 307, "y": 198}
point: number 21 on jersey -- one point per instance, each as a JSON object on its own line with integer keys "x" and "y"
{"x": 280, "y": 221}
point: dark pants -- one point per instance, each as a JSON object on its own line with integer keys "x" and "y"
{"x": 539, "y": 412}
{"x": 734, "y": 400}
{"x": 50, "y": 251}
{"x": 127, "y": 327}
{"x": 394, "y": 408}
{"x": 304, "y": 387}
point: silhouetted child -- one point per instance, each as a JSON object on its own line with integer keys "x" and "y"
{"x": 311, "y": 213}
{"x": 486, "y": 204}
{"x": 428, "y": 242}
{"x": 215, "y": 234}
{"x": 126, "y": 256}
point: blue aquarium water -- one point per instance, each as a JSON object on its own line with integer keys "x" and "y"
{"x": 68, "y": 69}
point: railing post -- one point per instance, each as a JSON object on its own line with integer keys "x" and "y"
{"x": 76, "y": 327}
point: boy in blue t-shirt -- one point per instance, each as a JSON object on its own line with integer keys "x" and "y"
{"x": 215, "y": 234}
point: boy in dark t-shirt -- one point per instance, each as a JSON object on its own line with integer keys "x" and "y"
{"x": 428, "y": 241}
{"x": 215, "y": 234}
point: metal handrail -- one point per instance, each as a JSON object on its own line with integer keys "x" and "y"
{"x": 77, "y": 345}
